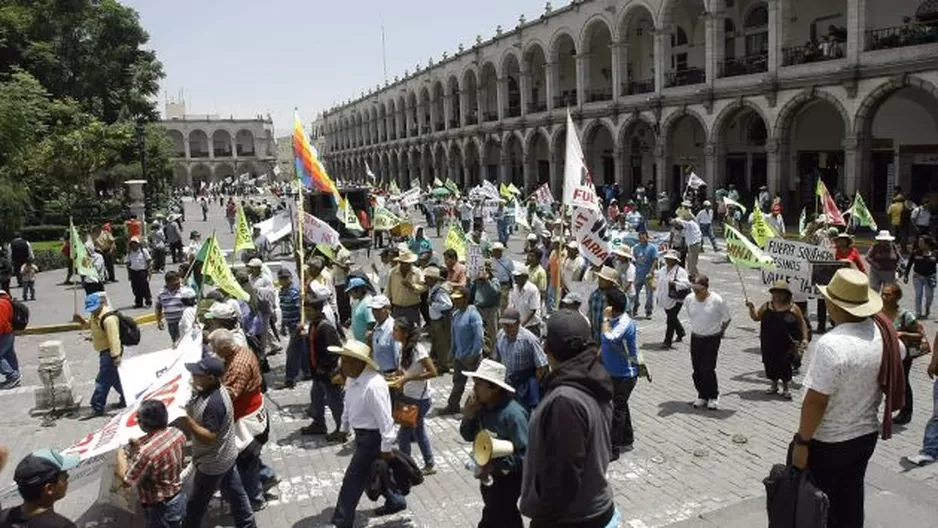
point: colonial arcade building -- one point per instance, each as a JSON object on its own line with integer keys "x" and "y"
{"x": 748, "y": 92}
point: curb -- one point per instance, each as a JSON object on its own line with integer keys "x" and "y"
{"x": 144, "y": 319}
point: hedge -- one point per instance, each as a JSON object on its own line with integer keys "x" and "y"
{"x": 42, "y": 233}
{"x": 50, "y": 259}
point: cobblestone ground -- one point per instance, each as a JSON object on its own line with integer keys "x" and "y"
{"x": 686, "y": 462}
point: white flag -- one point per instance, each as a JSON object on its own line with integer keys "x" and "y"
{"x": 729, "y": 202}
{"x": 543, "y": 196}
{"x": 371, "y": 175}
{"x": 276, "y": 170}
{"x": 577, "y": 185}
{"x": 695, "y": 181}
{"x": 521, "y": 214}
{"x": 489, "y": 190}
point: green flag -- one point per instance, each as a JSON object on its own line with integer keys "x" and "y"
{"x": 456, "y": 240}
{"x": 861, "y": 215}
{"x": 215, "y": 268}
{"x": 744, "y": 253}
{"x": 451, "y": 185}
{"x": 347, "y": 216}
{"x": 385, "y": 220}
{"x": 81, "y": 261}
{"x": 242, "y": 232}
{"x": 761, "y": 230}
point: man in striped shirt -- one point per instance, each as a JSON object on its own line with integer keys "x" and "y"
{"x": 525, "y": 363}
{"x": 169, "y": 305}
{"x": 154, "y": 465}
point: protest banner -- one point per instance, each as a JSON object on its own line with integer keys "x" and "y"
{"x": 456, "y": 240}
{"x": 316, "y": 231}
{"x": 242, "y": 232}
{"x": 543, "y": 196}
{"x": 792, "y": 264}
{"x": 385, "y": 220}
{"x": 742, "y": 252}
{"x": 216, "y": 268}
{"x": 589, "y": 230}
{"x": 474, "y": 259}
{"x": 411, "y": 197}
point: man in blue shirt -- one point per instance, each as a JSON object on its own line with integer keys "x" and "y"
{"x": 502, "y": 269}
{"x": 646, "y": 262}
{"x": 485, "y": 294}
{"x": 385, "y": 350}
{"x": 362, "y": 318}
{"x": 620, "y": 356}
{"x": 467, "y": 345}
{"x": 297, "y": 349}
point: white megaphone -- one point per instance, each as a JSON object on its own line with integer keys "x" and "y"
{"x": 486, "y": 447}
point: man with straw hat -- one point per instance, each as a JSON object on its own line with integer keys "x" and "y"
{"x": 849, "y": 370}
{"x": 492, "y": 408}
{"x": 884, "y": 259}
{"x": 606, "y": 279}
{"x": 526, "y": 298}
{"x": 625, "y": 268}
{"x": 405, "y": 285}
{"x": 368, "y": 413}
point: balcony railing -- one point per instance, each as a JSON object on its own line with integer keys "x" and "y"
{"x": 567, "y": 98}
{"x": 638, "y": 87}
{"x": 748, "y": 65}
{"x": 804, "y": 54}
{"x": 489, "y": 116}
{"x": 902, "y": 36}
{"x": 245, "y": 152}
{"x": 414, "y": 132}
{"x": 425, "y": 129}
{"x": 537, "y": 107}
{"x": 685, "y": 77}
{"x": 472, "y": 120}
{"x": 513, "y": 111}
{"x": 593, "y": 96}
{"x": 198, "y": 153}
{"x": 454, "y": 123}
{"x": 219, "y": 153}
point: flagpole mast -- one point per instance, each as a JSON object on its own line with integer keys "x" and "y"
{"x": 300, "y": 254}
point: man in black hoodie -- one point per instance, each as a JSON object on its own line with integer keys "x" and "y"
{"x": 569, "y": 434}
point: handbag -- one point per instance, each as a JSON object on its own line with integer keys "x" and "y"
{"x": 677, "y": 294}
{"x": 405, "y": 414}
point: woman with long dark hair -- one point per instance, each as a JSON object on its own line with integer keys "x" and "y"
{"x": 413, "y": 378}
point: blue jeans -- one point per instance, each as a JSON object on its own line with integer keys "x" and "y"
{"x": 922, "y": 289}
{"x": 405, "y": 435}
{"x": 357, "y": 475}
{"x": 649, "y": 297}
{"x": 321, "y": 394}
{"x": 29, "y": 290}
{"x": 204, "y": 486}
{"x": 297, "y": 357}
{"x": 707, "y": 231}
{"x": 249, "y": 469}
{"x": 930, "y": 444}
{"x": 9, "y": 365}
{"x": 107, "y": 378}
{"x": 503, "y": 232}
{"x": 551, "y": 299}
{"x": 167, "y": 514}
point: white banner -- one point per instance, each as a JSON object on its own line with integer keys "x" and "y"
{"x": 316, "y": 231}
{"x": 411, "y": 197}
{"x": 792, "y": 265}
{"x": 490, "y": 191}
{"x": 474, "y": 260}
{"x": 695, "y": 181}
{"x": 589, "y": 229}
{"x": 543, "y": 196}
{"x": 276, "y": 227}
{"x": 168, "y": 381}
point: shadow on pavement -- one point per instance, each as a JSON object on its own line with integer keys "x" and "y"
{"x": 668, "y": 408}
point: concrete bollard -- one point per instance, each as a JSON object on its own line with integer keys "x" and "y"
{"x": 55, "y": 394}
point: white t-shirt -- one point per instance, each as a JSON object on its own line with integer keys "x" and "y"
{"x": 705, "y": 216}
{"x": 844, "y": 364}
{"x": 707, "y": 316}
{"x": 526, "y": 300}
{"x": 418, "y": 390}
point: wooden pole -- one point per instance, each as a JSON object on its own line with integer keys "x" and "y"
{"x": 300, "y": 255}
{"x": 741, "y": 282}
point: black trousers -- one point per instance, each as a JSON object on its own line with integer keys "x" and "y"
{"x": 821, "y": 315}
{"x": 907, "y": 408}
{"x": 140, "y": 285}
{"x": 622, "y": 434}
{"x": 839, "y": 469}
{"x": 501, "y": 501}
{"x": 109, "y": 266}
{"x": 343, "y": 304}
{"x": 673, "y": 324}
{"x": 703, "y": 359}
{"x": 92, "y": 287}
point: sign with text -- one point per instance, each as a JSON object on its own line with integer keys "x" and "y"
{"x": 793, "y": 264}
{"x": 316, "y": 231}
{"x": 589, "y": 229}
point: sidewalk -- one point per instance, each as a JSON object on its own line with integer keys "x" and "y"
{"x": 891, "y": 500}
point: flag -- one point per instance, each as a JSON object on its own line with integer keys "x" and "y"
{"x": 513, "y": 190}
{"x": 821, "y": 189}
{"x": 729, "y": 202}
{"x": 347, "y": 216}
{"x": 803, "y": 223}
{"x": 451, "y": 185}
{"x": 742, "y": 252}
{"x": 242, "y": 232}
{"x": 309, "y": 171}
{"x": 394, "y": 188}
{"x": 761, "y": 231}
{"x": 437, "y": 182}
{"x": 543, "y": 196}
{"x": 194, "y": 277}
{"x": 831, "y": 212}
{"x": 371, "y": 175}
{"x": 456, "y": 240}
{"x": 216, "y": 269}
{"x": 385, "y": 220}
{"x": 81, "y": 260}
{"x": 578, "y": 189}
{"x": 276, "y": 170}
{"x": 695, "y": 181}
{"x": 521, "y": 215}
{"x": 861, "y": 214}
{"x": 504, "y": 191}
{"x": 488, "y": 190}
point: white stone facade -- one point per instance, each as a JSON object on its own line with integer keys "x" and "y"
{"x": 729, "y": 88}
{"x": 210, "y": 148}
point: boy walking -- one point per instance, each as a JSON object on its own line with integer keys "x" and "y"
{"x": 28, "y": 273}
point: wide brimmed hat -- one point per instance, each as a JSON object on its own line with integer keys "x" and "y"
{"x": 406, "y": 257}
{"x": 492, "y": 372}
{"x": 624, "y": 252}
{"x": 671, "y": 254}
{"x": 850, "y": 290}
{"x": 885, "y": 236}
{"x": 846, "y": 236}
{"x": 221, "y": 311}
{"x": 356, "y": 350}
{"x": 780, "y": 285}
{"x": 609, "y": 274}
{"x": 380, "y": 301}
{"x": 498, "y": 246}
{"x": 432, "y": 272}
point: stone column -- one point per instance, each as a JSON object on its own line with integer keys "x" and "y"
{"x": 447, "y": 110}
{"x": 551, "y": 69}
{"x": 527, "y": 168}
{"x": 501, "y": 96}
{"x": 710, "y": 166}
{"x": 713, "y": 56}
{"x": 481, "y": 104}
{"x": 504, "y": 169}
{"x": 856, "y": 31}
{"x": 662, "y": 48}
{"x": 463, "y": 107}
{"x": 661, "y": 160}
{"x": 620, "y": 65}
{"x": 525, "y": 87}
{"x": 618, "y": 167}
{"x": 853, "y": 165}
{"x": 582, "y": 77}
{"x": 775, "y": 35}
{"x": 185, "y": 146}
{"x": 433, "y": 116}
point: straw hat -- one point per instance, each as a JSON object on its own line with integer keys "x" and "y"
{"x": 609, "y": 274}
{"x": 850, "y": 290}
{"x": 885, "y": 236}
{"x": 492, "y": 372}
{"x": 356, "y": 350}
{"x": 624, "y": 252}
{"x": 432, "y": 272}
{"x": 780, "y": 285}
{"x": 406, "y": 257}
{"x": 672, "y": 255}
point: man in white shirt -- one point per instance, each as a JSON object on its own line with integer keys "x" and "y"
{"x": 921, "y": 217}
{"x": 709, "y": 317}
{"x": 368, "y": 413}
{"x": 526, "y": 298}
{"x": 705, "y": 221}
{"x": 572, "y": 268}
{"x": 693, "y": 239}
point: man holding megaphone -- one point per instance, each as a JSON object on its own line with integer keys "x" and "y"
{"x": 498, "y": 427}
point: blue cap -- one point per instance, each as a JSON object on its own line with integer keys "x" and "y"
{"x": 207, "y": 366}
{"x": 94, "y": 301}
{"x": 355, "y": 282}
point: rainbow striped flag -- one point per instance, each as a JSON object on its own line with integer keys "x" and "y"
{"x": 309, "y": 170}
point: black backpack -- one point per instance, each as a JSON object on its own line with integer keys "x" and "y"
{"x": 129, "y": 330}
{"x": 20, "y": 315}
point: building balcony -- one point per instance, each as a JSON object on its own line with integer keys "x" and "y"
{"x": 414, "y": 132}
{"x": 900, "y": 37}
{"x": 219, "y": 153}
{"x": 685, "y": 77}
{"x": 472, "y": 120}
{"x": 537, "y": 107}
{"x": 638, "y": 87}
{"x": 567, "y": 98}
{"x": 440, "y": 126}
{"x": 249, "y": 153}
{"x": 513, "y": 111}
{"x": 748, "y": 65}
{"x": 454, "y": 123}
{"x": 796, "y": 55}
{"x": 198, "y": 153}
{"x": 593, "y": 96}
{"x": 425, "y": 129}
{"x": 488, "y": 117}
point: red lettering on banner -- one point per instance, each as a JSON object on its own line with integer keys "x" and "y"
{"x": 165, "y": 394}
{"x": 82, "y": 445}
{"x": 579, "y": 220}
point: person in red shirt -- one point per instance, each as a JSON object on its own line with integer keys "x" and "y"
{"x": 9, "y": 365}
{"x": 845, "y": 250}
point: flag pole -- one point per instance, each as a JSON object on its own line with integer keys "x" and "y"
{"x": 741, "y": 282}
{"x": 300, "y": 254}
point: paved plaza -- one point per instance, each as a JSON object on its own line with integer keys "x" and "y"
{"x": 692, "y": 467}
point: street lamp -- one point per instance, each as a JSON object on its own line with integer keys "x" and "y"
{"x": 148, "y": 188}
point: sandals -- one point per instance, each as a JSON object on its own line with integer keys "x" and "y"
{"x": 772, "y": 390}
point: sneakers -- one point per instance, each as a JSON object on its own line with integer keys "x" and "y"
{"x": 920, "y": 459}
{"x": 389, "y": 509}
{"x": 428, "y": 470}
{"x": 699, "y": 403}
{"x": 11, "y": 383}
{"x": 902, "y": 418}
{"x": 314, "y": 429}
{"x": 713, "y": 405}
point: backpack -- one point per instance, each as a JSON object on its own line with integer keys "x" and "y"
{"x": 129, "y": 330}
{"x": 20, "y": 315}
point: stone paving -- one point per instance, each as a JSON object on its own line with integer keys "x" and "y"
{"x": 686, "y": 463}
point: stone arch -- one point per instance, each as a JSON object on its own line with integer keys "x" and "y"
{"x": 509, "y": 54}
{"x": 454, "y": 119}
{"x": 200, "y": 172}
{"x": 558, "y": 149}
{"x": 437, "y": 108}
{"x": 589, "y": 27}
{"x": 456, "y": 163}
{"x": 392, "y": 117}
{"x": 867, "y": 109}
{"x": 198, "y": 144}
{"x": 631, "y": 9}
{"x": 179, "y": 144}
{"x": 563, "y": 52}
{"x": 473, "y": 161}
{"x": 530, "y": 139}
{"x": 488, "y": 81}
{"x": 511, "y": 76}
{"x": 627, "y": 126}
{"x": 595, "y": 44}
{"x": 535, "y": 63}
{"x": 791, "y": 109}
{"x": 555, "y": 39}
{"x": 181, "y": 175}
{"x": 423, "y": 110}
{"x": 244, "y": 143}
{"x": 470, "y": 86}
{"x": 537, "y": 152}
{"x": 716, "y": 131}
{"x": 221, "y": 143}
{"x": 636, "y": 139}
{"x": 674, "y": 117}
{"x": 492, "y": 157}
{"x": 412, "y": 118}
{"x": 440, "y": 161}
{"x": 222, "y": 171}
{"x": 680, "y": 155}
{"x": 599, "y": 145}
{"x": 514, "y": 155}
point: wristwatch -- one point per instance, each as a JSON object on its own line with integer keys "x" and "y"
{"x": 799, "y": 440}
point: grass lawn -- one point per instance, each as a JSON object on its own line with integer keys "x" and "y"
{"x": 51, "y": 244}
